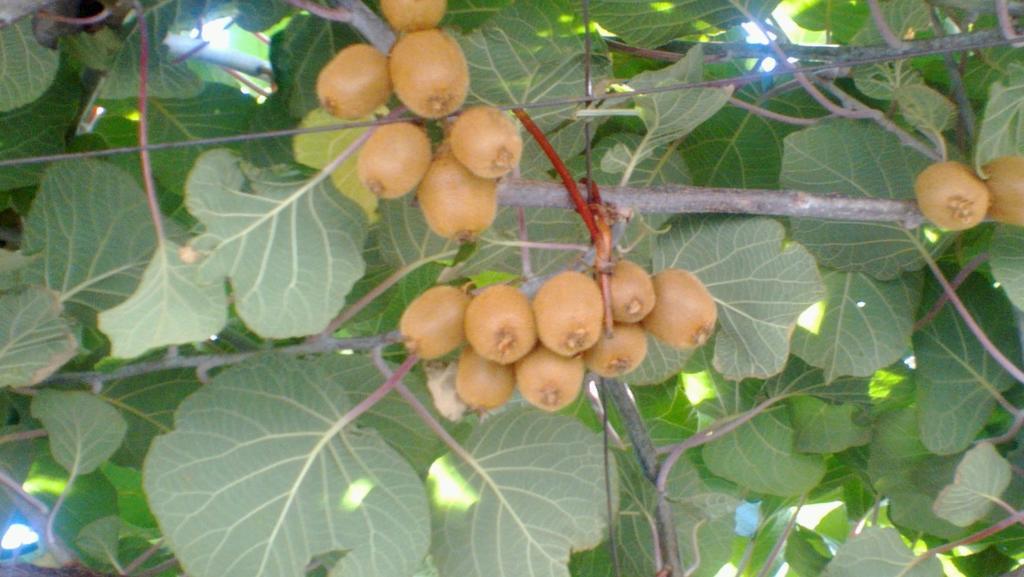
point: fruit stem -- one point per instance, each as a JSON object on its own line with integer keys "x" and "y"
{"x": 570, "y": 184}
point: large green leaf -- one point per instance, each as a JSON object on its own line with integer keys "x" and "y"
{"x": 865, "y": 324}
{"x": 1001, "y": 130}
{"x": 665, "y": 165}
{"x": 859, "y": 159}
{"x": 261, "y": 475}
{"x": 84, "y": 431}
{"x": 761, "y": 286}
{"x": 170, "y": 307}
{"x": 26, "y": 67}
{"x": 167, "y": 77}
{"x": 34, "y": 340}
{"x": 825, "y": 428}
{"x": 956, "y": 377}
{"x": 661, "y": 362}
{"x": 147, "y": 403}
{"x": 1008, "y": 261}
{"x": 880, "y": 552}
{"x": 529, "y": 491}
{"x": 760, "y": 455}
{"x": 669, "y": 115}
{"x": 649, "y": 24}
{"x": 90, "y": 225}
{"x": 981, "y": 477}
{"x": 292, "y": 244}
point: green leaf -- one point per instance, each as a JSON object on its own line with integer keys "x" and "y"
{"x": 661, "y": 363}
{"x": 170, "y": 307}
{"x": 981, "y": 477}
{"x": 903, "y": 17}
{"x": 261, "y": 475}
{"x": 147, "y": 403}
{"x": 665, "y": 165}
{"x": 885, "y": 80}
{"x": 91, "y": 228}
{"x": 530, "y": 490}
{"x": 91, "y": 497}
{"x": 293, "y": 244}
{"x": 84, "y": 431}
{"x": 824, "y": 428}
{"x": 650, "y": 24}
{"x": 760, "y": 455}
{"x": 955, "y": 376}
{"x": 859, "y": 159}
{"x": 761, "y": 286}
{"x": 468, "y": 14}
{"x": 1008, "y": 261}
{"x": 671, "y": 115}
{"x": 38, "y": 128}
{"x": 318, "y": 149}
{"x": 99, "y": 540}
{"x": 925, "y": 108}
{"x": 1001, "y": 131}
{"x": 864, "y": 325}
{"x": 806, "y": 553}
{"x": 26, "y": 68}
{"x": 34, "y": 339}
{"x": 11, "y": 266}
{"x": 166, "y": 78}
{"x": 300, "y": 51}
{"x": 841, "y": 19}
{"x": 880, "y": 552}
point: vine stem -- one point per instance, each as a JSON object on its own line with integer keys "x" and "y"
{"x": 959, "y": 279}
{"x": 781, "y": 541}
{"x": 23, "y": 436}
{"x": 392, "y": 381}
{"x": 146, "y": 555}
{"x": 974, "y": 537}
{"x": 143, "y": 130}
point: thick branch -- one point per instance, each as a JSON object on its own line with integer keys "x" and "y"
{"x": 696, "y": 199}
{"x": 368, "y": 24}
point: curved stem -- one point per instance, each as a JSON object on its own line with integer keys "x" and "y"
{"x": 143, "y": 129}
{"x": 959, "y": 279}
{"x": 878, "y": 18}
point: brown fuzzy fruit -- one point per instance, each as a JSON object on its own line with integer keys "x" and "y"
{"x": 483, "y": 384}
{"x": 429, "y": 73}
{"x": 499, "y": 324}
{"x": 487, "y": 141}
{"x": 413, "y": 15}
{"x": 569, "y": 310}
{"x": 950, "y": 195}
{"x": 456, "y": 203}
{"x": 684, "y": 313}
{"x": 432, "y": 324}
{"x": 1006, "y": 186}
{"x": 549, "y": 381}
{"x": 618, "y": 354}
{"x": 394, "y": 159}
{"x": 355, "y": 82}
{"x": 632, "y": 292}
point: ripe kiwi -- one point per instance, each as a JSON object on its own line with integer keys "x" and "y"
{"x": 487, "y": 141}
{"x": 619, "y": 353}
{"x": 632, "y": 292}
{"x": 483, "y": 384}
{"x": 433, "y": 324}
{"x": 456, "y": 203}
{"x": 355, "y": 82}
{"x": 950, "y": 195}
{"x": 1006, "y": 186}
{"x": 684, "y": 313}
{"x": 429, "y": 73}
{"x": 499, "y": 324}
{"x": 569, "y": 311}
{"x": 394, "y": 159}
{"x": 413, "y": 15}
{"x": 549, "y": 381}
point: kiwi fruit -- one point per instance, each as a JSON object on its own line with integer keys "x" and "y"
{"x": 456, "y": 203}
{"x": 618, "y": 353}
{"x": 1006, "y": 187}
{"x": 684, "y": 312}
{"x": 950, "y": 195}
{"x": 433, "y": 324}
{"x": 483, "y": 384}
{"x": 394, "y": 159}
{"x": 429, "y": 73}
{"x": 549, "y": 381}
{"x": 487, "y": 141}
{"x": 569, "y": 310}
{"x": 413, "y": 15}
{"x": 632, "y": 292}
{"x": 499, "y": 324}
{"x": 355, "y": 82}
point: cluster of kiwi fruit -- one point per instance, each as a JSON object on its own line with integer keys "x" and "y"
{"x": 456, "y": 185}
{"x": 953, "y": 197}
{"x": 544, "y": 347}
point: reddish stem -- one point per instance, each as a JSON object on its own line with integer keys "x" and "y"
{"x": 563, "y": 172}
{"x": 147, "y": 166}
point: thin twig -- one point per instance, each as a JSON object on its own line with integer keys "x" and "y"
{"x": 878, "y": 18}
{"x": 87, "y": 21}
{"x": 332, "y": 14}
{"x": 146, "y": 555}
{"x": 958, "y": 280}
{"x": 143, "y": 129}
{"x": 51, "y": 519}
{"x": 23, "y": 436}
{"x": 781, "y": 541}
{"x": 965, "y": 111}
{"x": 974, "y": 537}
{"x": 759, "y": 111}
{"x": 159, "y": 568}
